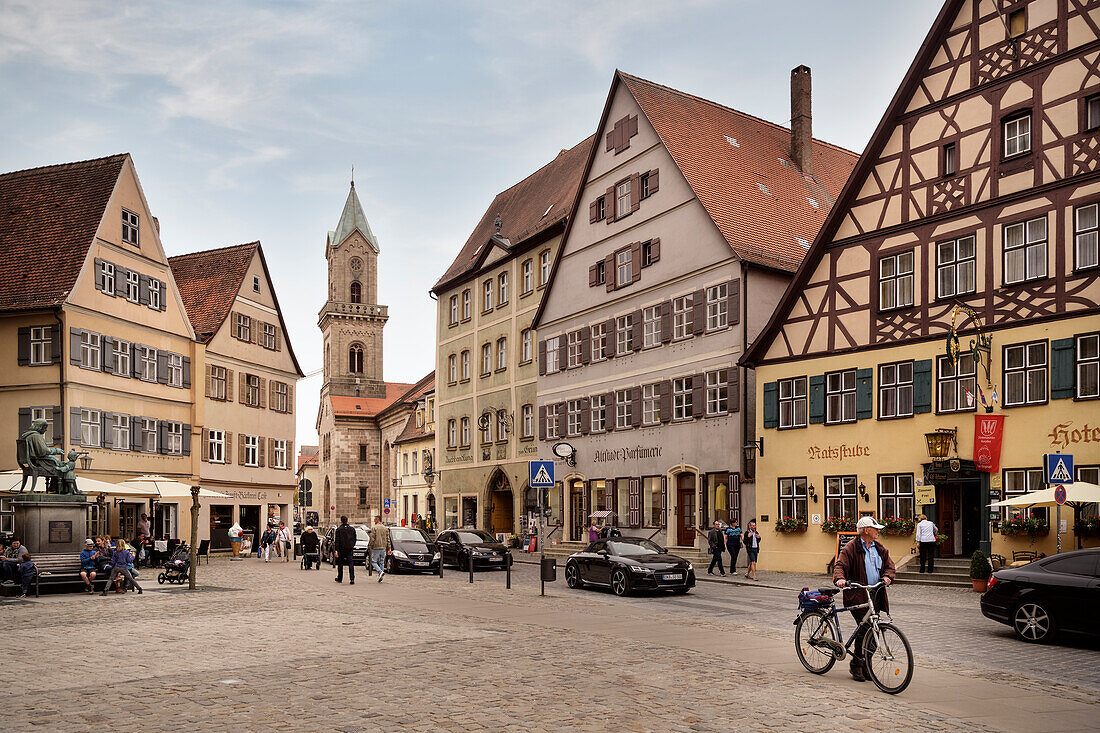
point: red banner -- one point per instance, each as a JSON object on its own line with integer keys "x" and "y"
{"x": 988, "y": 431}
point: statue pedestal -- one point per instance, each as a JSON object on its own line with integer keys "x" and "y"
{"x": 51, "y": 523}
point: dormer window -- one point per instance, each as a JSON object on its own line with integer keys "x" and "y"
{"x": 130, "y": 227}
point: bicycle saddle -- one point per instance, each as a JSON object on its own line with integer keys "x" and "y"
{"x": 829, "y": 591}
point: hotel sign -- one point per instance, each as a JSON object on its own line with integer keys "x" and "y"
{"x": 1064, "y": 434}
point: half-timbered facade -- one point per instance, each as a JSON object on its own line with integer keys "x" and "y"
{"x": 972, "y": 214}
{"x": 697, "y": 216}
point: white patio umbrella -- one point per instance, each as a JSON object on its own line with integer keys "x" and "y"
{"x": 166, "y": 488}
{"x": 10, "y": 481}
{"x": 1079, "y": 492}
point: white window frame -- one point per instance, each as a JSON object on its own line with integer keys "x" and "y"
{"x": 682, "y": 408}
{"x": 544, "y": 267}
{"x": 622, "y": 199}
{"x": 466, "y": 303}
{"x": 131, "y": 228}
{"x": 109, "y": 278}
{"x": 527, "y": 413}
{"x": 282, "y": 397}
{"x": 1086, "y": 224}
{"x": 597, "y": 405}
{"x": 527, "y": 270}
{"x": 452, "y": 368}
{"x": 840, "y": 491}
{"x": 1086, "y": 363}
{"x": 486, "y": 359}
{"x": 527, "y": 342}
{"x": 953, "y": 381}
{"x": 133, "y": 286}
{"x": 465, "y": 432}
{"x": 465, "y": 363}
{"x": 840, "y": 385}
{"x": 624, "y": 334}
{"x": 682, "y": 310}
{"x": 502, "y": 289}
{"x": 255, "y": 283}
{"x": 120, "y": 432}
{"x": 41, "y": 346}
{"x": 487, "y": 295}
{"x": 1017, "y": 135}
{"x": 552, "y": 364}
{"x": 252, "y": 451}
{"x": 896, "y": 497}
{"x": 175, "y": 370}
{"x": 91, "y": 426}
{"x": 895, "y": 281}
{"x": 1025, "y": 366}
{"x": 651, "y": 327}
{"x": 792, "y": 403}
{"x": 651, "y": 404}
{"x": 573, "y": 417}
{"x": 792, "y": 497}
{"x": 596, "y": 339}
{"x": 718, "y": 392}
{"x": 895, "y": 389}
{"x": 454, "y": 310}
{"x": 269, "y": 336}
{"x": 1025, "y": 250}
{"x": 624, "y": 268}
{"x": 155, "y": 294}
{"x": 573, "y": 350}
{"x": 122, "y": 357}
{"x": 717, "y": 307}
{"x": 623, "y": 408}
{"x": 215, "y": 445}
{"x": 452, "y": 433}
{"x": 956, "y": 267}
{"x": 44, "y": 413}
{"x": 502, "y": 353}
{"x": 91, "y": 350}
{"x": 148, "y": 435}
{"x": 552, "y": 422}
{"x": 147, "y": 358}
{"x": 1020, "y": 481}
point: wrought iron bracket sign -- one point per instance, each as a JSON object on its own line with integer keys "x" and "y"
{"x": 981, "y": 346}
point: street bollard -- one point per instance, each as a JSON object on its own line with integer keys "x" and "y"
{"x": 471, "y": 557}
{"x": 508, "y": 571}
{"x": 441, "y": 564}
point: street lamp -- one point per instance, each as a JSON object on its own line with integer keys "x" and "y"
{"x": 939, "y": 443}
{"x": 752, "y": 447}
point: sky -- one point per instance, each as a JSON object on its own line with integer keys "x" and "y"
{"x": 244, "y": 119}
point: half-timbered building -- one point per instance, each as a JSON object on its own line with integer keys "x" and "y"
{"x": 956, "y": 278}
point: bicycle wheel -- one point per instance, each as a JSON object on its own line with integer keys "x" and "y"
{"x": 814, "y": 625}
{"x": 888, "y": 658}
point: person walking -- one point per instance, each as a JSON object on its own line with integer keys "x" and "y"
{"x": 120, "y": 566}
{"x": 751, "y": 540}
{"x": 283, "y": 538}
{"x": 345, "y": 551}
{"x": 926, "y": 539}
{"x": 379, "y": 546}
{"x": 267, "y": 543}
{"x": 714, "y": 542}
{"x": 310, "y": 543}
{"x": 733, "y": 545}
{"x": 593, "y": 531}
{"x": 863, "y": 560}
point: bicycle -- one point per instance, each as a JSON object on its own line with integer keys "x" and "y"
{"x": 887, "y": 656}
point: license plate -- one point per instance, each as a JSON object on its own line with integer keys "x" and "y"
{"x": 496, "y": 559}
{"x": 420, "y": 564}
{"x": 672, "y": 576}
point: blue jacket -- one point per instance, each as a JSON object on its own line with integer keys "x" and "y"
{"x": 121, "y": 559}
{"x": 26, "y": 568}
{"x": 87, "y": 559}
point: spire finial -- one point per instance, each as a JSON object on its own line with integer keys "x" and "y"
{"x": 498, "y": 223}
{"x": 353, "y": 175}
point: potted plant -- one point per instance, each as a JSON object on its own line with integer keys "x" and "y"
{"x": 1087, "y": 527}
{"x": 1022, "y": 525}
{"x": 897, "y": 525}
{"x": 838, "y": 524}
{"x": 980, "y": 570}
{"x": 790, "y": 524}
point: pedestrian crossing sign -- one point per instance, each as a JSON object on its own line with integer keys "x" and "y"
{"x": 542, "y": 474}
{"x": 1059, "y": 468}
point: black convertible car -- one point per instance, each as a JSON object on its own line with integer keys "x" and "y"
{"x": 629, "y": 563}
{"x": 1058, "y": 594}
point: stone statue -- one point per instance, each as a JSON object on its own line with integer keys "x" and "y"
{"x": 60, "y": 473}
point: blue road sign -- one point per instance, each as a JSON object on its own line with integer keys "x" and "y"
{"x": 542, "y": 474}
{"x": 1059, "y": 468}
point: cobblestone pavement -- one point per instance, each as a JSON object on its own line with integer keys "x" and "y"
{"x": 272, "y": 647}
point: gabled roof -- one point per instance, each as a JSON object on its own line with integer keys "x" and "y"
{"x": 940, "y": 27}
{"x": 209, "y": 282}
{"x": 352, "y": 218}
{"x": 345, "y": 406}
{"x": 308, "y": 455}
{"x": 48, "y": 219}
{"x": 414, "y": 393}
{"x": 739, "y": 167}
{"x": 527, "y": 209}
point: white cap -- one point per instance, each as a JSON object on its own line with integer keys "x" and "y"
{"x": 868, "y": 522}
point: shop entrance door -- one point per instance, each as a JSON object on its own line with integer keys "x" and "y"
{"x": 959, "y": 517}
{"x": 250, "y": 522}
{"x": 576, "y": 512}
{"x": 685, "y": 509}
{"x": 221, "y": 519}
{"x": 502, "y": 518}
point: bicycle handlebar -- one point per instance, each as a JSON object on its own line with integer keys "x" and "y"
{"x": 858, "y": 586}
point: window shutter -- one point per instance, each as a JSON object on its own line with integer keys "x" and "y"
{"x": 592, "y": 276}
{"x": 235, "y": 320}
{"x": 586, "y": 412}
{"x": 163, "y": 295}
{"x": 635, "y": 192}
{"x": 135, "y": 363}
{"x": 586, "y": 345}
{"x": 865, "y": 406}
{"x": 108, "y": 359}
{"x": 228, "y": 448}
{"x": 542, "y": 358}
{"x": 664, "y": 500}
{"x": 593, "y": 208}
{"x": 187, "y": 372}
{"x": 733, "y": 301}
{"x": 100, "y": 278}
{"x": 771, "y": 405}
{"x": 1061, "y": 369}
{"x": 922, "y": 386}
{"x": 704, "y": 505}
{"x": 106, "y": 434}
{"x": 586, "y": 499}
{"x": 666, "y": 321}
{"x": 654, "y": 181}
{"x": 271, "y": 393}
{"x": 816, "y": 398}
{"x": 279, "y": 347}
{"x": 609, "y": 411}
{"x": 257, "y": 332}
{"x": 120, "y": 281}
{"x": 609, "y": 496}
{"x": 229, "y": 385}
{"x": 74, "y": 425}
{"x": 55, "y": 344}
{"x": 244, "y": 388}
{"x": 609, "y": 272}
{"x": 209, "y": 381}
{"x": 542, "y": 422}
{"x": 734, "y": 389}
{"x": 24, "y": 357}
{"x": 263, "y": 392}
{"x": 289, "y": 409}
{"x": 563, "y": 351}
{"x": 561, "y": 418}
{"x": 143, "y": 289}
{"x": 635, "y": 406}
{"x": 698, "y": 395}
{"x": 271, "y": 451}
{"x": 205, "y": 451}
{"x": 24, "y": 420}
{"x": 58, "y": 426}
{"x": 609, "y": 206}
{"x": 609, "y": 338}
{"x": 635, "y": 262}
{"x": 610, "y": 141}
{"x": 665, "y": 390}
{"x": 74, "y": 346}
{"x": 162, "y": 367}
{"x": 240, "y": 449}
{"x": 634, "y": 510}
{"x": 654, "y": 250}
{"x": 699, "y": 312}
{"x": 135, "y": 433}
{"x": 162, "y": 436}
{"x": 186, "y": 439}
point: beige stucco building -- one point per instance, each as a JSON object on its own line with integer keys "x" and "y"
{"x": 485, "y": 359}
{"x": 413, "y": 456}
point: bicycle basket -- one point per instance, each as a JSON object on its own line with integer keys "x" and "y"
{"x": 812, "y": 600}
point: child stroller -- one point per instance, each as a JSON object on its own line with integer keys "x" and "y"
{"x": 177, "y": 567}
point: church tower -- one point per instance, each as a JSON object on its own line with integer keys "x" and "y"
{"x": 351, "y": 320}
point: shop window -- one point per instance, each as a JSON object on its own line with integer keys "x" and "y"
{"x": 840, "y": 497}
{"x": 895, "y": 496}
{"x": 957, "y": 390}
{"x": 653, "y": 502}
{"x": 792, "y": 498}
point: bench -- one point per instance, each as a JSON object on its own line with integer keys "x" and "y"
{"x": 62, "y": 569}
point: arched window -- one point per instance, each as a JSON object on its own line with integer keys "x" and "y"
{"x": 356, "y": 292}
{"x": 355, "y": 359}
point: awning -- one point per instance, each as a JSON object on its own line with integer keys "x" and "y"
{"x": 10, "y": 481}
{"x": 1079, "y": 492}
{"x": 166, "y": 488}
{"x": 601, "y": 515}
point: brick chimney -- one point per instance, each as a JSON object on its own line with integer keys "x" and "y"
{"x": 801, "y": 120}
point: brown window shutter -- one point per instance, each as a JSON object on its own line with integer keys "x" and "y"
{"x": 666, "y": 400}
{"x": 733, "y": 299}
{"x": 240, "y": 448}
{"x": 631, "y": 128}
{"x": 593, "y": 210}
{"x": 636, "y": 406}
{"x": 271, "y": 393}
{"x": 635, "y": 192}
{"x": 586, "y": 345}
{"x": 542, "y": 422}
{"x": 257, "y": 332}
{"x": 228, "y": 448}
{"x": 205, "y": 444}
{"x": 654, "y": 181}
{"x": 666, "y": 321}
{"x": 735, "y": 389}
{"x": 609, "y": 207}
{"x": 263, "y": 392}
{"x": 609, "y": 338}
{"x": 561, "y": 418}
{"x": 563, "y": 351}
{"x": 586, "y": 420}
{"x": 271, "y": 451}
{"x": 234, "y": 320}
{"x": 592, "y": 276}
{"x": 635, "y": 262}
{"x": 699, "y": 312}
{"x": 698, "y": 395}
{"x": 636, "y": 327}
{"x": 609, "y": 272}
{"x": 609, "y": 411}
{"x": 654, "y": 250}
{"x": 229, "y": 385}
{"x": 542, "y": 358}
{"x": 279, "y": 347}
{"x": 610, "y": 141}
{"x": 261, "y": 443}
{"x": 209, "y": 381}
{"x": 290, "y": 410}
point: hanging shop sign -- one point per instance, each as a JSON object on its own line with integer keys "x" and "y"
{"x": 988, "y": 432}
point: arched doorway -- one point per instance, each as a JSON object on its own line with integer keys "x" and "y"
{"x": 501, "y": 509}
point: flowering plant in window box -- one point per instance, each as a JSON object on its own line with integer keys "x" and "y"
{"x": 790, "y": 524}
{"x": 1020, "y": 525}
{"x": 897, "y": 525}
{"x": 1087, "y": 527}
{"x": 838, "y": 524}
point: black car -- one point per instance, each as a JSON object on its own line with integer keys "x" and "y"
{"x": 1057, "y": 594}
{"x": 629, "y": 563}
{"x": 457, "y": 545}
{"x": 362, "y": 542}
{"x": 413, "y": 550}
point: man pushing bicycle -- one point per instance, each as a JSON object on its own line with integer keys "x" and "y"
{"x": 863, "y": 560}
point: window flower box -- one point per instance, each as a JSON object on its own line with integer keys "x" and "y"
{"x": 1020, "y": 526}
{"x": 1087, "y": 527}
{"x": 790, "y": 525}
{"x": 897, "y": 525}
{"x": 838, "y": 524}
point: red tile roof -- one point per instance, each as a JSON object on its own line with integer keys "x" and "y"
{"x": 412, "y": 431}
{"x": 308, "y": 456}
{"x": 759, "y": 199}
{"x": 208, "y": 282}
{"x": 528, "y": 208}
{"x": 48, "y": 219}
{"x": 343, "y": 406}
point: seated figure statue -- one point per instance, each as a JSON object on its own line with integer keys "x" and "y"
{"x": 45, "y": 458}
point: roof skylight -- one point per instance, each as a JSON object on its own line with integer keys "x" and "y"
{"x": 805, "y": 244}
{"x": 733, "y": 141}
{"x": 813, "y": 203}
{"x": 763, "y": 188}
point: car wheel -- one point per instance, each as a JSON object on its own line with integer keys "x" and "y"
{"x": 680, "y": 591}
{"x": 573, "y": 576}
{"x": 1032, "y": 622}
{"x": 620, "y": 584}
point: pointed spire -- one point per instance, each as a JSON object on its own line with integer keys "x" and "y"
{"x": 353, "y": 218}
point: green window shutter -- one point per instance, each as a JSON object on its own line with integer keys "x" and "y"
{"x": 771, "y": 405}
{"x": 817, "y": 399}
{"x": 1061, "y": 369}
{"x": 922, "y": 386}
{"x": 865, "y": 404}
